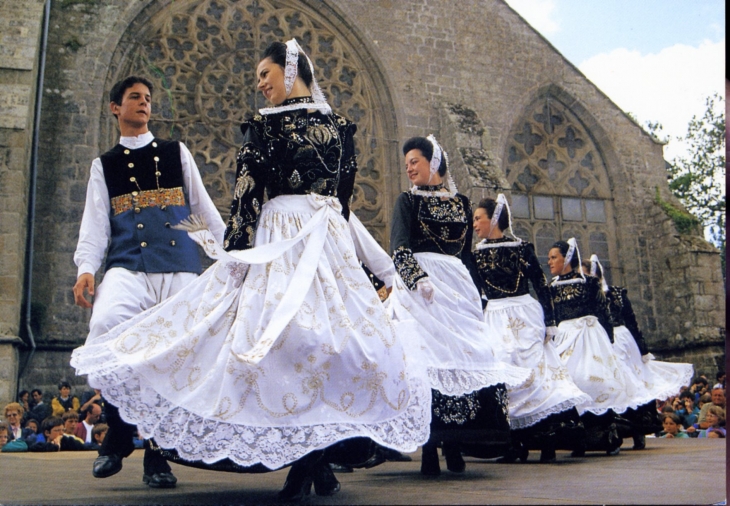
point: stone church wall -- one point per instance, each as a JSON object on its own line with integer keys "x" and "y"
{"x": 423, "y": 66}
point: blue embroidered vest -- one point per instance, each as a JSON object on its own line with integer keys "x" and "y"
{"x": 146, "y": 192}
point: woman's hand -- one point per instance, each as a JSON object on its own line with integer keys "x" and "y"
{"x": 425, "y": 289}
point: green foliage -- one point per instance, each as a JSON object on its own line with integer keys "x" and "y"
{"x": 698, "y": 180}
{"x": 684, "y": 221}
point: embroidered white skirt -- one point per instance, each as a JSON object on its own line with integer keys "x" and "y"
{"x": 452, "y": 343}
{"x": 266, "y": 361}
{"x": 585, "y": 349}
{"x": 519, "y": 325}
{"x": 659, "y": 380}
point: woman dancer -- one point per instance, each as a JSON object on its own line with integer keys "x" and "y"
{"x": 436, "y": 305}
{"x": 584, "y": 344}
{"x": 281, "y": 349}
{"x": 542, "y": 412}
{"x": 651, "y": 378}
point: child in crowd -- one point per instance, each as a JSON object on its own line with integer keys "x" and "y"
{"x": 53, "y": 438}
{"x": 97, "y": 436}
{"x": 16, "y": 445}
{"x": 70, "y": 421}
{"x": 64, "y": 401}
{"x": 32, "y": 424}
{"x": 671, "y": 424}
{"x": 715, "y": 418}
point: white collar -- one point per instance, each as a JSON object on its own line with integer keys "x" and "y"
{"x": 483, "y": 244}
{"x": 138, "y": 141}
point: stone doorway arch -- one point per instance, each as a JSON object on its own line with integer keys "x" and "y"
{"x": 202, "y": 55}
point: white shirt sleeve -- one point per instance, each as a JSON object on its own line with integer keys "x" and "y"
{"x": 370, "y": 253}
{"x": 95, "y": 228}
{"x": 198, "y": 198}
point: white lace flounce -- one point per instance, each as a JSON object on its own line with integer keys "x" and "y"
{"x": 460, "y": 382}
{"x": 533, "y": 418}
{"x": 209, "y": 440}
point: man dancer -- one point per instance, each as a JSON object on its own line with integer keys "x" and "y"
{"x": 136, "y": 192}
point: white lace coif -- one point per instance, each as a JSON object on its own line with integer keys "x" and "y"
{"x": 290, "y": 75}
{"x": 595, "y": 265}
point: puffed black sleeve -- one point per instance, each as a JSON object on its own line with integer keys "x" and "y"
{"x": 348, "y": 166}
{"x": 600, "y": 305}
{"x": 630, "y": 321}
{"x": 467, "y": 257}
{"x": 248, "y": 193}
{"x": 539, "y": 282}
{"x": 400, "y": 242}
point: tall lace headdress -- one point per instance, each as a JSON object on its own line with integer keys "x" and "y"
{"x": 572, "y": 250}
{"x": 290, "y": 74}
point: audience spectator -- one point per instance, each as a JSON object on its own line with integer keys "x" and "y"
{"x": 32, "y": 424}
{"x": 64, "y": 401}
{"x": 720, "y": 377}
{"x": 40, "y": 410}
{"x": 91, "y": 417}
{"x": 715, "y": 421}
{"x": 717, "y": 398}
{"x": 70, "y": 422}
{"x": 671, "y": 423}
{"x": 16, "y": 445}
{"x": 699, "y": 387}
{"x": 93, "y": 397}
{"x": 688, "y": 412}
{"x": 54, "y": 438}
{"x": 97, "y": 436}
{"x": 13, "y": 416}
{"x": 24, "y": 400}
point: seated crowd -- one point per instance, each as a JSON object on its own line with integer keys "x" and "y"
{"x": 70, "y": 423}
{"x": 67, "y": 423}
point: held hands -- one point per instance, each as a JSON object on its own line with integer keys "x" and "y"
{"x": 425, "y": 289}
{"x": 85, "y": 282}
{"x": 550, "y": 333}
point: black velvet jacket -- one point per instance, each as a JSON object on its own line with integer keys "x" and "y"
{"x": 290, "y": 153}
{"x": 429, "y": 224}
{"x": 504, "y": 271}
{"x": 623, "y": 314}
{"x": 581, "y": 299}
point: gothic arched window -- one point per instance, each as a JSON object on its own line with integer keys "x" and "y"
{"x": 559, "y": 182}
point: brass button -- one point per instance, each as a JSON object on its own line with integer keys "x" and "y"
{"x": 133, "y": 179}
{"x": 172, "y": 243}
{"x": 140, "y": 226}
{"x": 130, "y": 165}
{"x": 137, "y": 210}
{"x": 158, "y": 173}
{"x": 126, "y": 151}
{"x": 135, "y": 193}
{"x": 167, "y": 224}
{"x": 157, "y": 158}
{"x": 143, "y": 244}
{"x": 154, "y": 144}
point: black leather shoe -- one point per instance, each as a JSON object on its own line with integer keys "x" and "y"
{"x": 547, "y": 457}
{"x": 454, "y": 461}
{"x": 430, "y": 460}
{"x": 160, "y": 480}
{"x": 106, "y": 465}
{"x": 639, "y": 442}
{"x": 324, "y": 480}
{"x": 298, "y": 482}
{"x": 394, "y": 455}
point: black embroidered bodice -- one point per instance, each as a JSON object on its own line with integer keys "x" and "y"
{"x": 575, "y": 300}
{"x": 290, "y": 153}
{"x": 504, "y": 271}
{"x": 429, "y": 224}
{"x": 622, "y": 313}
